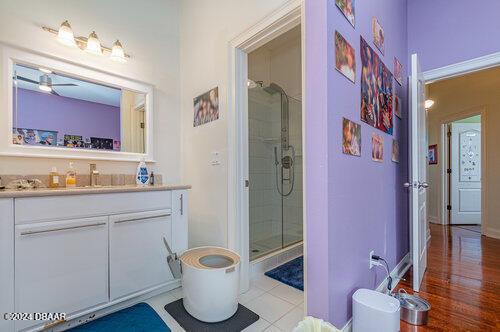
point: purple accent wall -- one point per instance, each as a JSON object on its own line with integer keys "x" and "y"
{"x": 445, "y": 32}
{"x": 38, "y": 110}
{"x": 354, "y": 205}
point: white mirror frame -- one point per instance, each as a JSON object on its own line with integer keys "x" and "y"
{"x": 11, "y": 56}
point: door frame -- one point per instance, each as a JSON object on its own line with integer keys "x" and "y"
{"x": 275, "y": 24}
{"x": 459, "y": 69}
{"x": 444, "y": 122}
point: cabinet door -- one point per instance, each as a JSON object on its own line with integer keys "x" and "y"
{"x": 61, "y": 266}
{"x": 138, "y": 257}
{"x": 180, "y": 204}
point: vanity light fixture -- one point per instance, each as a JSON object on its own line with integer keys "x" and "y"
{"x": 92, "y": 44}
{"x": 65, "y": 34}
{"x": 117, "y": 53}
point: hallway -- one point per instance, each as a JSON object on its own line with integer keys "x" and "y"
{"x": 462, "y": 281}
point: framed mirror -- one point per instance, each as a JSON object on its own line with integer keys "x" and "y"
{"x": 59, "y": 109}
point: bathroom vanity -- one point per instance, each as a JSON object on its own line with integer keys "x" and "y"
{"x": 83, "y": 251}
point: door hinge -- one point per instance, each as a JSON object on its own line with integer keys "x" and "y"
{"x": 449, "y": 134}
{"x": 247, "y": 183}
{"x": 448, "y": 171}
{"x": 448, "y": 207}
{"x": 142, "y": 125}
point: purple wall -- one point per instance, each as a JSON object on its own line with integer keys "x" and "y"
{"x": 366, "y": 206}
{"x": 38, "y": 110}
{"x": 445, "y": 32}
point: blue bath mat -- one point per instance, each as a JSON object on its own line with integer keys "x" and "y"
{"x": 138, "y": 318}
{"x": 290, "y": 273}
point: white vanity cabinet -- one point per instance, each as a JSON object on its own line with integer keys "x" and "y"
{"x": 137, "y": 254}
{"x": 86, "y": 253}
{"x": 61, "y": 266}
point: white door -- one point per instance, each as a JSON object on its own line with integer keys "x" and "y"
{"x": 465, "y": 173}
{"x": 418, "y": 177}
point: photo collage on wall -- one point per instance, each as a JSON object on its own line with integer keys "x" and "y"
{"x": 380, "y": 102}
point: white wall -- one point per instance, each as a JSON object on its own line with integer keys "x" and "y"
{"x": 207, "y": 27}
{"x": 148, "y": 30}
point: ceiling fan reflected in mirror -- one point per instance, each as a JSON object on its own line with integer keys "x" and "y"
{"x": 45, "y": 83}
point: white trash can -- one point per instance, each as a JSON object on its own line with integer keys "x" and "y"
{"x": 373, "y": 311}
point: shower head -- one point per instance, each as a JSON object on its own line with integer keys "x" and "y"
{"x": 274, "y": 88}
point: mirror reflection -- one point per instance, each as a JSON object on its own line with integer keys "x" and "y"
{"x": 56, "y": 110}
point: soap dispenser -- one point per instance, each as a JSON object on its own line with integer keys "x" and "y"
{"x": 71, "y": 177}
{"x": 142, "y": 176}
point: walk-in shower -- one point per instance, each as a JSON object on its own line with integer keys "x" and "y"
{"x": 275, "y": 167}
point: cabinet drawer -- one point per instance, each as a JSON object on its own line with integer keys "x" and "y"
{"x": 39, "y": 209}
{"x": 61, "y": 266}
{"x": 137, "y": 253}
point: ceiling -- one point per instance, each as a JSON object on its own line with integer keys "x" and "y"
{"x": 83, "y": 91}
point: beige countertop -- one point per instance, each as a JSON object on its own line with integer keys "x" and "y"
{"x": 41, "y": 192}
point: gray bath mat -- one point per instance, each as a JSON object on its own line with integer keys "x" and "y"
{"x": 242, "y": 319}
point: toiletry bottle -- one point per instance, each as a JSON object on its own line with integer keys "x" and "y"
{"x": 152, "y": 178}
{"x": 53, "y": 178}
{"x": 142, "y": 176}
{"x": 71, "y": 177}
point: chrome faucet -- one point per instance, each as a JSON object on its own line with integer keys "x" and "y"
{"x": 94, "y": 176}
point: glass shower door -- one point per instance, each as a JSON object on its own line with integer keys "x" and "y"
{"x": 265, "y": 206}
{"x": 292, "y": 180}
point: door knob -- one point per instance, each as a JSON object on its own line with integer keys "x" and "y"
{"x": 407, "y": 185}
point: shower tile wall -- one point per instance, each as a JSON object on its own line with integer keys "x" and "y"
{"x": 265, "y": 201}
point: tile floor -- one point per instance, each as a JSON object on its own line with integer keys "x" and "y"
{"x": 279, "y": 306}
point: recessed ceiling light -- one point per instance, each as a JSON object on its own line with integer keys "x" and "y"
{"x": 65, "y": 34}
{"x": 428, "y": 103}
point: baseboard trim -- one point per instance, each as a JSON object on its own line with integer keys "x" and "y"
{"x": 397, "y": 273}
{"x": 434, "y": 220}
{"x": 494, "y": 233}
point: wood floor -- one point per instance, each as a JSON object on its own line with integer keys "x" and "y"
{"x": 462, "y": 281}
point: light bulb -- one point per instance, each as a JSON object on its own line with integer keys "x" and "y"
{"x": 93, "y": 44}
{"x": 117, "y": 53}
{"x": 65, "y": 34}
{"x": 428, "y": 103}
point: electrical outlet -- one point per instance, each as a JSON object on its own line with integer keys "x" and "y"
{"x": 370, "y": 260}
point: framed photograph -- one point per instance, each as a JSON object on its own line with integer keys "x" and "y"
{"x": 433, "y": 154}
{"x": 345, "y": 57}
{"x": 101, "y": 143}
{"x": 378, "y": 35}
{"x": 351, "y": 137}
{"x": 395, "y": 151}
{"x": 74, "y": 141}
{"x": 206, "y": 107}
{"x": 26, "y": 136}
{"x": 396, "y": 102}
{"x": 376, "y": 90}
{"x": 377, "y": 148}
{"x": 347, "y": 8}
{"x": 398, "y": 71}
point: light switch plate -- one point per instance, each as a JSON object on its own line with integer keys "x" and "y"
{"x": 215, "y": 158}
